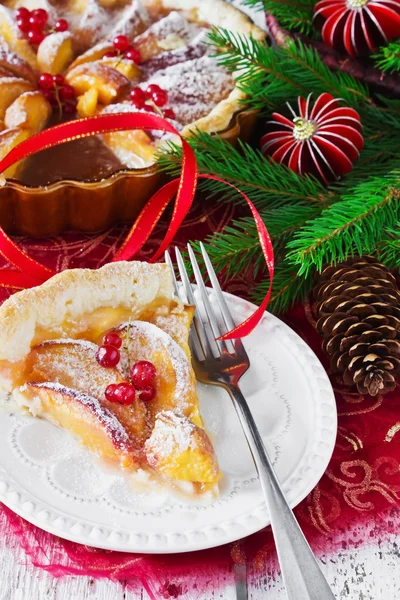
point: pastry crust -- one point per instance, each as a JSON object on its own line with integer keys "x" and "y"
{"x": 75, "y": 292}
{"x": 217, "y": 13}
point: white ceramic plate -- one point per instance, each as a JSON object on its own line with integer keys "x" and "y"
{"x": 53, "y": 482}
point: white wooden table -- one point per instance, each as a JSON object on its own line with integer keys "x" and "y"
{"x": 369, "y": 573}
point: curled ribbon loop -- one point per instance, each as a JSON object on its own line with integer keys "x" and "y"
{"x": 30, "y": 273}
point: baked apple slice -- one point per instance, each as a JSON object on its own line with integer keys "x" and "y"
{"x": 95, "y": 426}
{"x": 55, "y": 52}
{"x": 13, "y": 65}
{"x": 133, "y": 21}
{"x": 126, "y": 67}
{"x": 181, "y": 451}
{"x": 95, "y": 53}
{"x": 9, "y": 138}
{"x": 11, "y": 34}
{"x": 175, "y": 382}
{"x": 30, "y": 110}
{"x": 73, "y": 364}
{"x": 10, "y": 89}
{"x": 108, "y": 82}
{"x": 87, "y": 103}
{"x": 170, "y": 33}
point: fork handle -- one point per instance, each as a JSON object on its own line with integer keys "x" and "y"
{"x": 301, "y": 574}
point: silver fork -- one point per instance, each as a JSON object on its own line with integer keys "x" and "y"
{"x": 223, "y": 363}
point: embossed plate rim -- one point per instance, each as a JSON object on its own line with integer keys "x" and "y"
{"x": 313, "y": 463}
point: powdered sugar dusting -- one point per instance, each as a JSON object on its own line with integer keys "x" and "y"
{"x": 196, "y": 49}
{"x": 172, "y": 433}
{"x": 194, "y": 87}
{"x": 73, "y": 363}
{"x": 133, "y": 21}
{"x": 174, "y": 23}
{"x": 8, "y": 56}
{"x": 103, "y": 416}
{"x": 146, "y": 339}
{"x": 51, "y": 44}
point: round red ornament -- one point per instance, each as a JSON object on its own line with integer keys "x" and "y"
{"x": 358, "y": 26}
{"x": 323, "y": 140}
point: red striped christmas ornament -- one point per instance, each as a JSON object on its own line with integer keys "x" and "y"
{"x": 358, "y": 26}
{"x": 322, "y": 138}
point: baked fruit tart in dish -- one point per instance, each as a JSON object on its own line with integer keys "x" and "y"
{"x": 81, "y": 58}
{"x": 104, "y": 354}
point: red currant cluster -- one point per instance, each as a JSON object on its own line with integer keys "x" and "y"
{"x": 34, "y": 24}
{"x": 58, "y": 93}
{"x": 151, "y": 99}
{"x": 142, "y": 373}
{"x": 123, "y": 49}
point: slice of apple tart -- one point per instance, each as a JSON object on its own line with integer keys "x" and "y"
{"x": 104, "y": 354}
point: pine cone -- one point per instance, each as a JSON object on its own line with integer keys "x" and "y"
{"x": 359, "y": 318}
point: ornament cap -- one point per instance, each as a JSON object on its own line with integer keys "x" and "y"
{"x": 303, "y": 129}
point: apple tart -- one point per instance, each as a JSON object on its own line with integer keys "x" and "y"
{"x": 88, "y": 57}
{"x": 104, "y": 354}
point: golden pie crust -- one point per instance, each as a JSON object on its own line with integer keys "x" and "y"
{"x": 49, "y": 337}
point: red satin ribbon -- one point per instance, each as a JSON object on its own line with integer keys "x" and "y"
{"x": 31, "y": 273}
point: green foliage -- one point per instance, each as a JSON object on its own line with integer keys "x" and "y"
{"x": 309, "y": 224}
{"x": 288, "y": 288}
{"x": 292, "y": 14}
{"x": 355, "y": 225}
{"x": 237, "y": 249}
{"x": 388, "y": 57}
{"x": 389, "y": 249}
{"x": 267, "y": 184}
{"x": 271, "y": 76}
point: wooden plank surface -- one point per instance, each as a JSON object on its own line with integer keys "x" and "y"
{"x": 367, "y": 573}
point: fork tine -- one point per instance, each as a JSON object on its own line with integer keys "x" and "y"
{"x": 226, "y": 313}
{"x": 171, "y": 266}
{"x": 199, "y": 343}
{"x": 212, "y": 320}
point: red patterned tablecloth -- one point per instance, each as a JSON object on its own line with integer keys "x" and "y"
{"x": 361, "y": 482}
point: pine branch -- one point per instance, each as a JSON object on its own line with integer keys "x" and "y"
{"x": 267, "y": 184}
{"x": 271, "y": 76}
{"x": 388, "y": 57}
{"x": 389, "y": 250}
{"x": 291, "y": 14}
{"x": 355, "y": 225}
{"x": 288, "y": 288}
{"x": 237, "y": 249}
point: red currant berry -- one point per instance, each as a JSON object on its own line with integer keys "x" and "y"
{"x": 121, "y": 43}
{"x": 169, "y": 114}
{"x": 66, "y": 92}
{"x": 147, "y": 393}
{"x": 153, "y": 89}
{"x": 110, "y": 392}
{"x": 46, "y": 81}
{"x": 70, "y": 109}
{"x": 22, "y": 13}
{"x": 23, "y": 24}
{"x": 61, "y": 25}
{"x": 133, "y": 55}
{"x": 106, "y": 356}
{"x": 58, "y": 79}
{"x": 124, "y": 393}
{"x": 111, "y": 54}
{"x": 149, "y": 108}
{"x": 50, "y": 96}
{"x": 143, "y": 374}
{"x": 40, "y": 15}
{"x": 160, "y": 98}
{"x": 35, "y": 37}
{"x": 112, "y": 339}
{"x": 137, "y": 97}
